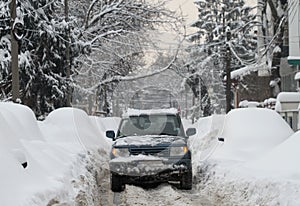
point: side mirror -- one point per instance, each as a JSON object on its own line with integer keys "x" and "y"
{"x": 110, "y": 134}
{"x": 190, "y": 131}
{"x": 221, "y": 139}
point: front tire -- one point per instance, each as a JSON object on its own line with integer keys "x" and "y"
{"x": 186, "y": 181}
{"x": 117, "y": 184}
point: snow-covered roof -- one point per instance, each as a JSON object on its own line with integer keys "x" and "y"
{"x": 288, "y": 97}
{"x": 297, "y": 76}
{"x": 287, "y": 101}
{"x": 137, "y": 112}
{"x": 239, "y": 73}
{"x": 293, "y": 58}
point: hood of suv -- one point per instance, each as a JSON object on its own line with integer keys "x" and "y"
{"x": 149, "y": 140}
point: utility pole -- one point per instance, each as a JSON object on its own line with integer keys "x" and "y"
{"x": 14, "y": 53}
{"x": 68, "y": 62}
{"x": 228, "y": 70}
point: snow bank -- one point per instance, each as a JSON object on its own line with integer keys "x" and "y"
{"x": 104, "y": 124}
{"x": 13, "y": 179}
{"x": 251, "y": 132}
{"x": 281, "y": 161}
{"x": 23, "y": 119}
{"x": 267, "y": 172}
{"x": 19, "y": 130}
{"x": 66, "y": 125}
{"x": 57, "y": 152}
{"x": 204, "y": 143}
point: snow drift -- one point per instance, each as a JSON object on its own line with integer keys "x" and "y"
{"x": 56, "y": 152}
{"x": 256, "y": 164}
{"x": 251, "y": 132}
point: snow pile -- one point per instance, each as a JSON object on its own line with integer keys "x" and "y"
{"x": 204, "y": 142}
{"x": 255, "y": 165}
{"x": 251, "y": 132}
{"x": 282, "y": 160}
{"x": 104, "y": 124}
{"x": 72, "y": 125}
{"x": 246, "y": 103}
{"x": 62, "y": 157}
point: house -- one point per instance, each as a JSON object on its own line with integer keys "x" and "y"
{"x": 287, "y": 105}
{"x": 290, "y": 54}
{"x": 288, "y": 100}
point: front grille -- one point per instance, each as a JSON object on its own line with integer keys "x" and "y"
{"x": 155, "y": 151}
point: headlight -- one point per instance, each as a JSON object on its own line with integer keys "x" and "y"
{"x": 178, "y": 151}
{"x": 120, "y": 152}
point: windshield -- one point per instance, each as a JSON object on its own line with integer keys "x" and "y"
{"x": 151, "y": 125}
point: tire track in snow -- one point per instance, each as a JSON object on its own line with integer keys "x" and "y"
{"x": 162, "y": 195}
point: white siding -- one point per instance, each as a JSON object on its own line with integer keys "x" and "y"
{"x": 294, "y": 29}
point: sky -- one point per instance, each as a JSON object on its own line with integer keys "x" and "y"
{"x": 188, "y": 9}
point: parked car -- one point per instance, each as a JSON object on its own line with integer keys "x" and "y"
{"x": 150, "y": 147}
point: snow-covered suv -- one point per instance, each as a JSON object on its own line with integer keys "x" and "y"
{"x": 150, "y": 147}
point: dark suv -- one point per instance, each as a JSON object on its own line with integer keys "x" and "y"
{"x": 150, "y": 147}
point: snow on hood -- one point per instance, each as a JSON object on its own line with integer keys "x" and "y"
{"x": 149, "y": 140}
{"x": 139, "y": 157}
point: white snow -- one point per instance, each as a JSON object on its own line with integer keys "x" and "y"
{"x": 257, "y": 164}
{"x": 297, "y": 76}
{"x": 282, "y": 160}
{"x": 288, "y": 97}
{"x": 58, "y": 152}
{"x": 251, "y": 132}
{"x": 287, "y": 101}
{"x": 136, "y": 112}
{"x": 240, "y": 73}
{"x": 147, "y": 140}
{"x": 246, "y": 103}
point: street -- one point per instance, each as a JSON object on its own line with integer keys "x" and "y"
{"x": 164, "y": 194}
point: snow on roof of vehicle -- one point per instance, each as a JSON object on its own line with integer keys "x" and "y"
{"x": 250, "y": 132}
{"x": 137, "y": 112}
{"x": 246, "y": 103}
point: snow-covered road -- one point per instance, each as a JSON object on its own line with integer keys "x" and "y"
{"x": 164, "y": 194}
{"x": 68, "y": 162}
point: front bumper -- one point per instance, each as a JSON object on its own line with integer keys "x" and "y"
{"x": 156, "y": 169}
